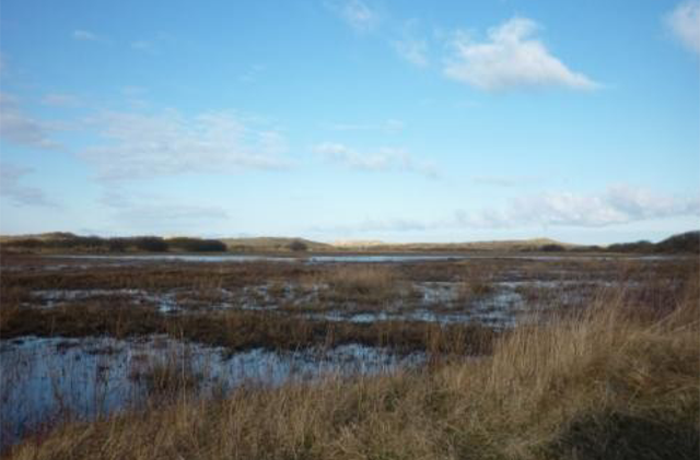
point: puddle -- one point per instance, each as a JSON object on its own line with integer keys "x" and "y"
{"x": 358, "y": 258}
{"x": 393, "y": 258}
{"x": 316, "y": 259}
{"x": 416, "y": 315}
{"x": 438, "y": 292}
{"x": 504, "y": 306}
{"x": 435, "y": 302}
{"x": 46, "y": 379}
{"x": 180, "y": 258}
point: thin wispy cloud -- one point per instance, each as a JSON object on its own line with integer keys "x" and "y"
{"x": 153, "y": 44}
{"x": 390, "y": 125}
{"x": 511, "y": 57}
{"x": 169, "y": 218}
{"x": 620, "y": 204}
{"x": 19, "y": 128}
{"x": 62, "y": 100}
{"x": 356, "y": 13}
{"x": 411, "y": 46}
{"x": 252, "y": 73}
{"x": 133, "y": 91}
{"x": 412, "y": 50}
{"x": 617, "y": 205}
{"x": 505, "y": 181}
{"x": 384, "y": 159}
{"x": 85, "y": 35}
{"x": 135, "y": 96}
{"x": 141, "y": 212}
{"x": 143, "y": 45}
{"x": 12, "y": 188}
{"x": 373, "y": 226}
{"x": 684, "y": 22}
{"x": 136, "y": 146}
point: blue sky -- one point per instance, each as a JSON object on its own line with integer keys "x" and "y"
{"x": 351, "y": 119}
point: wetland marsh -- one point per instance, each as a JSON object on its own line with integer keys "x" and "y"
{"x": 88, "y": 339}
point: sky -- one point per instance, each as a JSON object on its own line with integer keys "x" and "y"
{"x": 351, "y": 119}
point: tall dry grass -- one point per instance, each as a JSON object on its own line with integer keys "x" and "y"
{"x": 613, "y": 382}
{"x": 363, "y": 285}
{"x": 361, "y": 280}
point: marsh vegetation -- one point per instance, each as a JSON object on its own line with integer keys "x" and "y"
{"x": 488, "y": 357}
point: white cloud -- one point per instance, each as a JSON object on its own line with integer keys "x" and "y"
{"x": 357, "y": 14}
{"x": 85, "y": 35}
{"x": 383, "y": 159}
{"x": 21, "y": 129}
{"x": 684, "y": 22}
{"x": 11, "y": 187}
{"x": 620, "y": 204}
{"x": 412, "y": 50}
{"x": 617, "y": 205}
{"x": 640, "y": 203}
{"x": 512, "y": 57}
{"x": 140, "y": 146}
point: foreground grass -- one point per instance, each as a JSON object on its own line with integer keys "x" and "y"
{"x": 615, "y": 382}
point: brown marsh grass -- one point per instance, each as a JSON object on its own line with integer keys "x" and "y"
{"x": 370, "y": 284}
{"x": 613, "y": 381}
{"x": 242, "y": 330}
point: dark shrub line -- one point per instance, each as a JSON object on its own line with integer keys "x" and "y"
{"x": 119, "y": 244}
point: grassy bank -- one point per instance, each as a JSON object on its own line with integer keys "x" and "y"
{"x": 618, "y": 381}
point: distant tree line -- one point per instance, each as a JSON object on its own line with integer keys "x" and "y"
{"x": 196, "y": 244}
{"x": 552, "y": 248}
{"x": 688, "y": 242}
{"x": 96, "y": 244}
{"x": 637, "y": 246}
{"x": 298, "y": 246}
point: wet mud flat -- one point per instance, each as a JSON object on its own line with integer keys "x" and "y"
{"x": 83, "y": 338}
